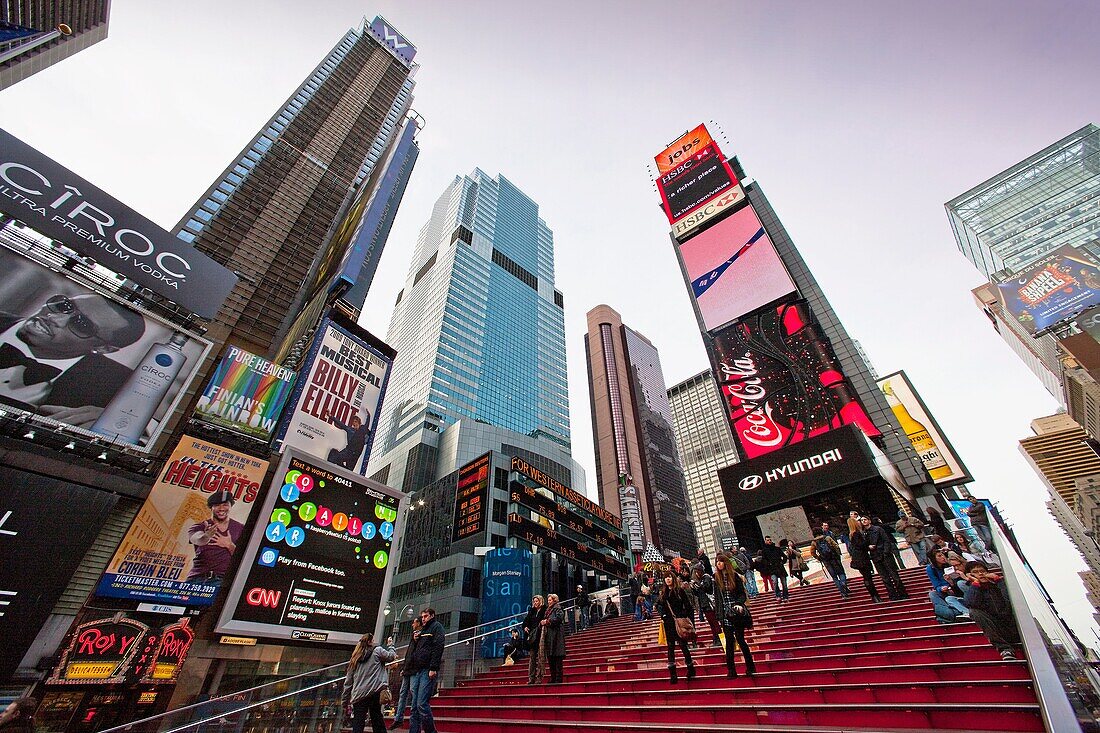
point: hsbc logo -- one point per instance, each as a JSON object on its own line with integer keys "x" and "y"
{"x": 749, "y": 483}
{"x": 263, "y": 597}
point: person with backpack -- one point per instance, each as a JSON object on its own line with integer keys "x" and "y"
{"x": 675, "y": 604}
{"x": 364, "y": 682}
{"x": 733, "y": 613}
{"x": 826, "y": 551}
{"x": 744, "y": 566}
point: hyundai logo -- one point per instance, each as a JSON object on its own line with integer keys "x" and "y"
{"x": 751, "y": 482}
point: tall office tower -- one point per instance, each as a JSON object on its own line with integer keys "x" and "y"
{"x": 638, "y": 472}
{"x": 1084, "y": 540}
{"x": 271, "y": 212}
{"x": 479, "y": 329}
{"x": 706, "y": 445}
{"x": 36, "y": 44}
{"x": 1061, "y": 452}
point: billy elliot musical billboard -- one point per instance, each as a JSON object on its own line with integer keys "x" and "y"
{"x": 781, "y": 381}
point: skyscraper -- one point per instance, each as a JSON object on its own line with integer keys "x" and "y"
{"x": 706, "y": 445}
{"x": 86, "y": 20}
{"x": 638, "y": 470}
{"x": 479, "y": 329}
{"x": 270, "y": 213}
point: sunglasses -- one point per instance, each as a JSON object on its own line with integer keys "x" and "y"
{"x": 78, "y": 323}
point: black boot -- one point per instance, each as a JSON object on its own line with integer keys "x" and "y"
{"x": 672, "y": 674}
{"x": 731, "y": 672}
{"x": 691, "y": 672}
{"x": 750, "y": 665}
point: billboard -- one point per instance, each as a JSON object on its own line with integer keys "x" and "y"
{"x": 317, "y": 565}
{"x": 46, "y": 526}
{"x": 828, "y": 461}
{"x": 720, "y": 204}
{"x": 60, "y": 204}
{"x": 781, "y": 381}
{"x": 246, "y": 394}
{"x": 335, "y": 403}
{"x": 87, "y": 359}
{"x": 186, "y": 535}
{"x": 694, "y": 182}
{"x": 471, "y": 498}
{"x": 506, "y": 590}
{"x": 939, "y": 458}
{"x": 393, "y": 40}
{"x": 121, "y": 648}
{"x": 1060, "y": 285}
{"x": 683, "y": 148}
{"x": 734, "y": 269}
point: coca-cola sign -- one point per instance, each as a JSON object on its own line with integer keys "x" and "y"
{"x": 781, "y": 381}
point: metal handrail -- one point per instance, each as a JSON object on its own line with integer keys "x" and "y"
{"x": 176, "y": 711}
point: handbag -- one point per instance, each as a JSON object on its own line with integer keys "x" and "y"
{"x": 385, "y": 695}
{"x": 685, "y": 627}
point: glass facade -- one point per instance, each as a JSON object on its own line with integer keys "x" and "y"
{"x": 479, "y": 327}
{"x": 706, "y": 445}
{"x": 1049, "y": 200}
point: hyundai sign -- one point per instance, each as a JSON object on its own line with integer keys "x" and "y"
{"x": 835, "y": 459}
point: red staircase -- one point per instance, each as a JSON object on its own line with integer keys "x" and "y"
{"x": 823, "y": 664}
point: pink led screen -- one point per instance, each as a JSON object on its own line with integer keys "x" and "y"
{"x": 734, "y": 269}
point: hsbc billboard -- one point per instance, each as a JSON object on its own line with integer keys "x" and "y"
{"x": 833, "y": 460}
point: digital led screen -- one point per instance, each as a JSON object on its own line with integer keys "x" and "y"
{"x": 781, "y": 381}
{"x": 318, "y": 563}
{"x": 682, "y": 149}
{"x": 539, "y": 535}
{"x": 545, "y": 506}
{"x": 471, "y": 498}
{"x": 580, "y": 500}
{"x": 734, "y": 269}
{"x": 694, "y": 182}
{"x": 1060, "y": 285}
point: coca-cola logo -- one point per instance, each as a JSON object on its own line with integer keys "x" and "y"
{"x": 757, "y": 425}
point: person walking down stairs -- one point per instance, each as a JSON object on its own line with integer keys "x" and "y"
{"x": 733, "y": 613}
{"x": 826, "y": 551}
{"x": 775, "y": 567}
{"x": 858, "y": 547}
{"x": 675, "y": 603}
{"x": 553, "y": 638}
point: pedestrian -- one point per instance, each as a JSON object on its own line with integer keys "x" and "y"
{"x": 913, "y": 530}
{"x": 744, "y": 566}
{"x": 532, "y": 631}
{"x": 675, "y": 603}
{"x": 733, "y": 613}
{"x": 990, "y": 607}
{"x": 701, "y": 556}
{"x": 936, "y": 522}
{"x": 18, "y": 716}
{"x": 364, "y": 682}
{"x": 583, "y": 609}
{"x": 403, "y": 695}
{"x": 612, "y": 609}
{"x": 796, "y": 565}
{"x": 861, "y": 561}
{"x": 970, "y": 551}
{"x": 826, "y": 532}
{"x": 892, "y": 546}
{"x": 979, "y": 520}
{"x": 702, "y": 585}
{"x": 424, "y": 670}
{"x": 596, "y": 613}
{"x": 826, "y": 551}
{"x": 945, "y": 599}
{"x": 878, "y": 547}
{"x": 774, "y": 561}
{"x": 633, "y": 590}
{"x": 552, "y": 644}
{"x": 760, "y": 566}
{"x": 853, "y": 523}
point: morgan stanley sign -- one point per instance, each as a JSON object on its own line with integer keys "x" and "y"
{"x": 61, "y": 205}
{"x": 829, "y": 461}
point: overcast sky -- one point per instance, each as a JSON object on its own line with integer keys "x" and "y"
{"x": 859, "y": 120}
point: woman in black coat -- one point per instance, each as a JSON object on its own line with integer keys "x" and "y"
{"x": 674, "y": 602}
{"x": 553, "y": 638}
{"x": 702, "y": 585}
{"x": 532, "y": 631}
{"x": 861, "y": 561}
{"x": 732, "y": 601}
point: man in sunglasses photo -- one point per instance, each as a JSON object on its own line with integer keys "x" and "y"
{"x": 54, "y": 361}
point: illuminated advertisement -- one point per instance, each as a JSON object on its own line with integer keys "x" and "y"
{"x": 471, "y": 498}
{"x": 694, "y": 182}
{"x": 317, "y": 565}
{"x": 682, "y": 148}
{"x": 336, "y": 400}
{"x": 580, "y": 500}
{"x": 781, "y": 381}
{"x": 539, "y": 535}
{"x": 924, "y": 433}
{"x": 1065, "y": 282}
{"x": 246, "y": 394}
{"x": 541, "y": 502}
{"x": 720, "y": 204}
{"x": 505, "y": 592}
{"x": 734, "y": 269}
{"x": 185, "y": 537}
{"x": 121, "y": 649}
{"x": 60, "y": 204}
{"x": 87, "y": 359}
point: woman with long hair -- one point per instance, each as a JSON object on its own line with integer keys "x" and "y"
{"x": 794, "y": 561}
{"x": 532, "y": 631}
{"x": 364, "y": 682}
{"x": 702, "y": 586}
{"x": 675, "y": 602}
{"x": 553, "y": 638}
{"x": 732, "y": 600}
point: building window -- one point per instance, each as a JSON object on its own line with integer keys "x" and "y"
{"x": 471, "y": 583}
{"x": 500, "y": 511}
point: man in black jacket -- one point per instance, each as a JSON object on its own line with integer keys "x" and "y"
{"x": 878, "y": 547}
{"x": 775, "y": 565}
{"x": 582, "y": 613}
{"x": 423, "y": 670}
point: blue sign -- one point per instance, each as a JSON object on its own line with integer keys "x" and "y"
{"x": 505, "y": 592}
{"x": 1059, "y": 286}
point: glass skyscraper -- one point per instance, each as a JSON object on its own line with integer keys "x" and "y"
{"x": 479, "y": 330}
